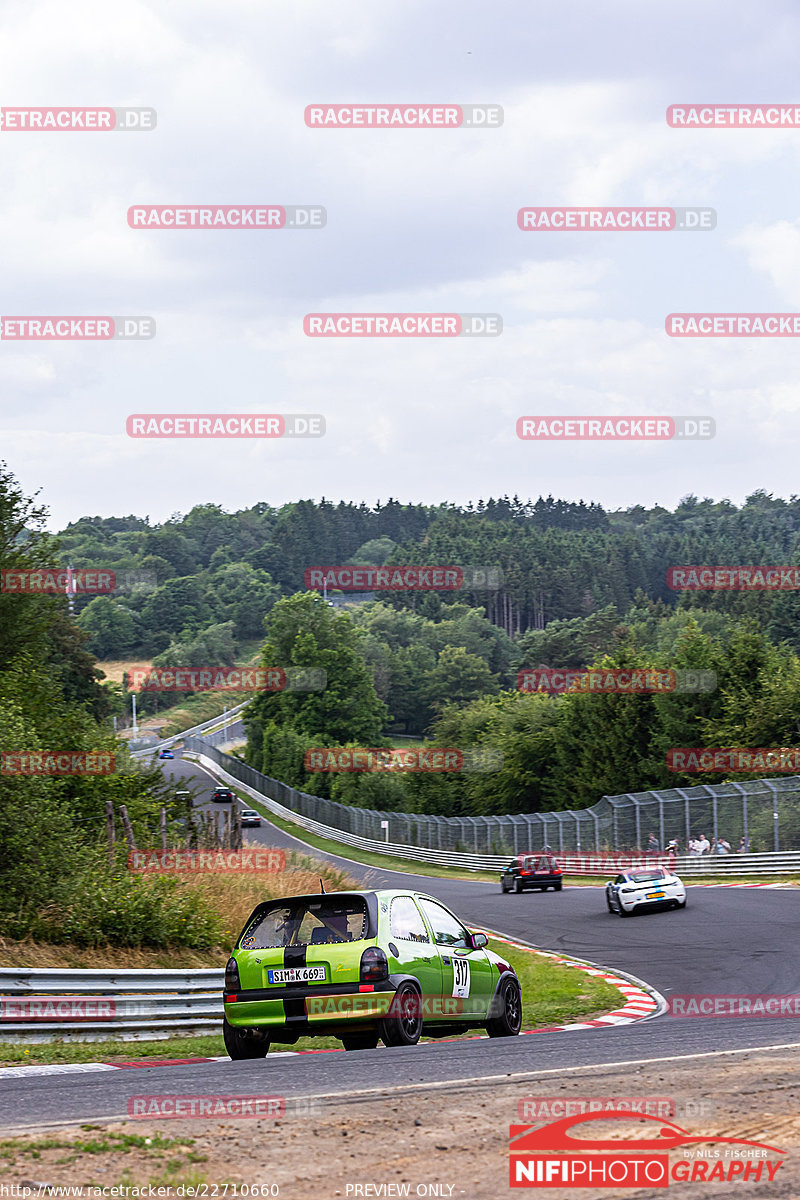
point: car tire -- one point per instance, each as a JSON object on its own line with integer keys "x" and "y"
{"x": 517, "y": 885}
{"x": 509, "y": 1020}
{"x": 360, "y": 1041}
{"x": 609, "y": 905}
{"x": 558, "y": 887}
{"x": 622, "y": 911}
{"x": 244, "y": 1043}
{"x": 404, "y": 1026}
{"x": 681, "y": 904}
{"x": 503, "y": 888}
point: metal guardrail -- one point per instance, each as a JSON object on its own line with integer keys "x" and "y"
{"x": 93, "y": 1005}
{"x": 195, "y": 729}
{"x": 595, "y": 864}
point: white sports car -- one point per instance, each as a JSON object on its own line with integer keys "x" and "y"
{"x": 644, "y": 888}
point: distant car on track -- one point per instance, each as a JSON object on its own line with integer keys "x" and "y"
{"x": 223, "y": 795}
{"x": 249, "y": 816}
{"x": 363, "y": 966}
{"x": 166, "y": 754}
{"x": 527, "y": 872}
{"x": 641, "y": 888}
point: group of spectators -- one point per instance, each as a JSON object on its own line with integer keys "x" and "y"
{"x": 698, "y": 845}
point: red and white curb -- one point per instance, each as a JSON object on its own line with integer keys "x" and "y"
{"x": 640, "y": 1001}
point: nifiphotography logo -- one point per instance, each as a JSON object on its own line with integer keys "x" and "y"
{"x": 551, "y": 1156}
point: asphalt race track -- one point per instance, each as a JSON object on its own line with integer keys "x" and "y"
{"x": 740, "y": 941}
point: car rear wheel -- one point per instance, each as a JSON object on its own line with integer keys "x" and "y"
{"x": 508, "y": 1000}
{"x": 611, "y": 908}
{"x": 244, "y": 1043}
{"x": 517, "y": 885}
{"x": 681, "y": 904}
{"x": 360, "y": 1041}
{"x": 558, "y": 887}
{"x": 623, "y": 912}
{"x": 404, "y": 1025}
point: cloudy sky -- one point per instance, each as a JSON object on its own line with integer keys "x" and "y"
{"x": 418, "y": 221}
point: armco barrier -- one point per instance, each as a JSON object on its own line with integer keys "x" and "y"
{"x": 94, "y": 1005}
{"x": 602, "y": 863}
{"x": 195, "y": 729}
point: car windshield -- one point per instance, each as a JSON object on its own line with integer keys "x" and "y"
{"x": 647, "y": 877}
{"x": 310, "y": 922}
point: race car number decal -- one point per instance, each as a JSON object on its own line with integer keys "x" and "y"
{"x": 460, "y": 977}
{"x": 297, "y": 975}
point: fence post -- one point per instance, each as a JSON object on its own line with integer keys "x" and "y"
{"x": 661, "y": 821}
{"x": 163, "y": 827}
{"x": 110, "y": 831}
{"x": 774, "y": 792}
{"x": 126, "y": 825}
{"x": 236, "y": 823}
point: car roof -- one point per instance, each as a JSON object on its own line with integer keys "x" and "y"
{"x": 381, "y": 893}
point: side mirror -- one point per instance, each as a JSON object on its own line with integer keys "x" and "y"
{"x": 609, "y": 882}
{"x": 479, "y": 940}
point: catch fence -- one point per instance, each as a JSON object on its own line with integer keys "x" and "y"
{"x": 763, "y": 812}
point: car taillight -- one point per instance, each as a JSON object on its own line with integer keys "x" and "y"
{"x": 556, "y": 870}
{"x": 232, "y": 975}
{"x": 374, "y": 966}
{"x": 526, "y": 872}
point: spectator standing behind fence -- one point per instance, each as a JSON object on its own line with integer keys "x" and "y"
{"x": 672, "y": 847}
{"x": 652, "y": 844}
{"x": 703, "y": 844}
{"x": 744, "y": 845}
{"x": 692, "y": 846}
{"x": 720, "y": 846}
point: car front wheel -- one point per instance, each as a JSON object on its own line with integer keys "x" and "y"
{"x": 508, "y": 1001}
{"x": 403, "y": 1026}
{"x": 244, "y": 1043}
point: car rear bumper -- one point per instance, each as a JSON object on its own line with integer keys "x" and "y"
{"x": 295, "y": 1009}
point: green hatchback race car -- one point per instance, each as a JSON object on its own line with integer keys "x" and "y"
{"x": 363, "y": 967}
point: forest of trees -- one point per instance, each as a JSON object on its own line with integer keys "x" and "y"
{"x": 579, "y": 586}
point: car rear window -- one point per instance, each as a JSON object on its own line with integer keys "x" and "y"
{"x": 646, "y": 876}
{"x": 310, "y": 922}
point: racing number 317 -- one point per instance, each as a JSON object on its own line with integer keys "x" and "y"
{"x": 460, "y": 977}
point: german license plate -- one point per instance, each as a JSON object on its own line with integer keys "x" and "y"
{"x": 297, "y": 975}
{"x": 655, "y": 896}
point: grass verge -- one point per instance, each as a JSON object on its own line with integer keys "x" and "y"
{"x": 553, "y": 994}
